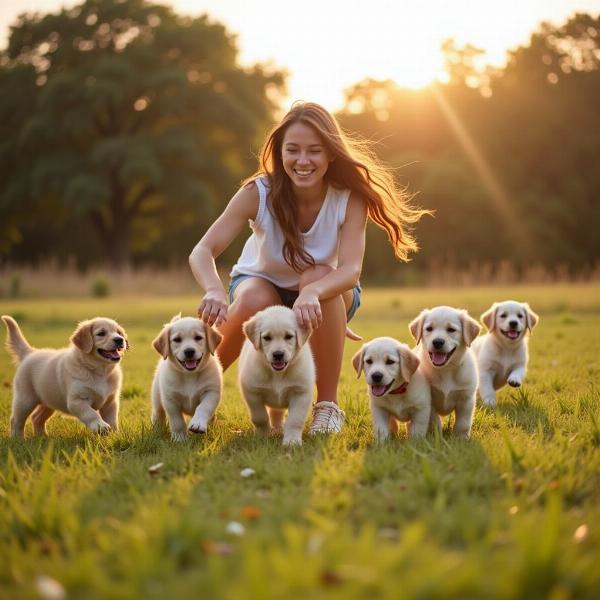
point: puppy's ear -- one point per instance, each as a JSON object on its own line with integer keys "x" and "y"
{"x": 252, "y": 331}
{"x": 161, "y": 343}
{"x": 532, "y": 318}
{"x": 416, "y": 326}
{"x": 302, "y": 335}
{"x": 82, "y": 337}
{"x": 213, "y": 338}
{"x": 488, "y": 318}
{"x": 470, "y": 327}
{"x": 357, "y": 361}
{"x": 409, "y": 362}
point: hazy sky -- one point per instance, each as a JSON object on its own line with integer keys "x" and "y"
{"x": 328, "y": 46}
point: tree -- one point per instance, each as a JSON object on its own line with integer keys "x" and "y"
{"x": 133, "y": 118}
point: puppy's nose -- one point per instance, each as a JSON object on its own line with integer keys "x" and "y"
{"x": 513, "y": 324}
{"x": 189, "y": 353}
{"x": 278, "y": 355}
{"x": 438, "y": 343}
{"x": 377, "y": 377}
{"x": 119, "y": 341}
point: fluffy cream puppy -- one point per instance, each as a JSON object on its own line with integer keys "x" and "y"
{"x": 83, "y": 380}
{"x": 277, "y": 372}
{"x": 502, "y": 353}
{"x": 397, "y": 389}
{"x": 444, "y": 335}
{"x": 188, "y": 378}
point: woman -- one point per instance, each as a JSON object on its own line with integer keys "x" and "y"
{"x": 308, "y": 205}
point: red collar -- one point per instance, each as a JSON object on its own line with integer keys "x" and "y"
{"x": 401, "y": 389}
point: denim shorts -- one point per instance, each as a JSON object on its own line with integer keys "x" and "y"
{"x": 288, "y": 297}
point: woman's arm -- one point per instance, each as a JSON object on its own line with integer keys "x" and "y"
{"x": 345, "y": 277}
{"x": 243, "y": 206}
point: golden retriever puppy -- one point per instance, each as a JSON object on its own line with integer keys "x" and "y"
{"x": 83, "y": 380}
{"x": 444, "y": 336}
{"x": 277, "y": 372}
{"x": 188, "y": 378}
{"x": 502, "y": 354}
{"x": 397, "y": 389}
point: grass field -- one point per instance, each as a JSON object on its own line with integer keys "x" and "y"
{"x": 512, "y": 513}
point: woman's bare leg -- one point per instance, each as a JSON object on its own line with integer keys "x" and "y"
{"x": 327, "y": 342}
{"x": 250, "y": 296}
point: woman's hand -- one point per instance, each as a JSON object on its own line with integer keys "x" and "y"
{"x": 213, "y": 308}
{"x": 307, "y": 309}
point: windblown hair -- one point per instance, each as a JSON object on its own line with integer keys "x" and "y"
{"x": 354, "y": 167}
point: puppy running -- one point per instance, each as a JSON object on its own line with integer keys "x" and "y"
{"x": 83, "y": 380}
{"x": 277, "y": 371}
{"x": 397, "y": 389}
{"x": 502, "y": 354}
{"x": 444, "y": 336}
{"x": 188, "y": 379}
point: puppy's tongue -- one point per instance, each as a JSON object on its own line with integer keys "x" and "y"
{"x": 439, "y": 358}
{"x": 378, "y": 390}
{"x": 512, "y": 334}
{"x": 190, "y": 365}
{"x": 112, "y": 354}
{"x": 278, "y": 365}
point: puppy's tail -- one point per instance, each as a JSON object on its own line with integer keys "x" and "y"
{"x": 16, "y": 343}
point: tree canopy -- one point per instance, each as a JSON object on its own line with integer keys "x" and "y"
{"x": 124, "y": 122}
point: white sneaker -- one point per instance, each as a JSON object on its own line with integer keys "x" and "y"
{"x": 328, "y": 417}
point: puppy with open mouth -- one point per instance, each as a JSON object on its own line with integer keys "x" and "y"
{"x": 83, "y": 380}
{"x": 398, "y": 391}
{"x": 188, "y": 378}
{"x": 502, "y": 353}
{"x": 277, "y": 372}
{"x": 444, "y": 336}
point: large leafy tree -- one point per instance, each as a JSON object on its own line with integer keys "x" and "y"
{"x": 126, "y": 117}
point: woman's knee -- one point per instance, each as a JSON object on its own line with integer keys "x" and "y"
{"x": 252, "y": 296}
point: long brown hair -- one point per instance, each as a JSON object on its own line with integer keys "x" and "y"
{"x": 354, "y": 167}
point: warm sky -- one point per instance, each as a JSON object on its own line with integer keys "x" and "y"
{"x": 327, "y": 46}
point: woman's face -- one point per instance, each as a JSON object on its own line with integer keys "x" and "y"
{"x": 305, "y": 159}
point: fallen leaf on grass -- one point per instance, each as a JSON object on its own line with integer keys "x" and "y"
{"x": 580, "y": 533}
{"x": 251, "y": 512}
{"x": 155, "y": 469}
{"x": 235, "y": 528}
{"x": 49, "y": 588}
{"x": 216, "y": 548}
{"x": 329, "y": 577}
{"x": 247, "y": 472}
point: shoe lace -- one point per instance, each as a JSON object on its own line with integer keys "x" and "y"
{"x": 323, "y": 415}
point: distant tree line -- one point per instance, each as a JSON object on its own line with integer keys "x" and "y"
{"x": 125, "y": 128}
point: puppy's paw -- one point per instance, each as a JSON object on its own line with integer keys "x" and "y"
{"x": 514, "y": 382}
{"x": 292, "y": 440}
{"x": 178, "y": 436}
{"x": 489, "y": 401}
{"x": 197, "y": 427}
{"x": 100, "y": 427}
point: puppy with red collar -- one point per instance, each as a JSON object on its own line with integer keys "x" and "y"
{"x": 398, "y": 391}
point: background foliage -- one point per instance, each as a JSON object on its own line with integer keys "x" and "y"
{"x": 125, "y": 128}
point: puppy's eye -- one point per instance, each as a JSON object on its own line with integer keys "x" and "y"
{"x": 369, "y": 361}
{"x": 177, "y": 339}
{"x": 288, "y": 336}
{"x": 503, "y": 316}
{"x": 267, "y": 338}
{"x": 451, "y": 330}
{"x": 520, "y": 316}
{"x": 429, "y": 328}
{"x": 389, "y": 361}
{"x": 198, "y": 338}
{"x": 101, "y": 333}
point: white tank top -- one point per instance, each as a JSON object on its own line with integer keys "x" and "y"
{"x": 263, "y": 251}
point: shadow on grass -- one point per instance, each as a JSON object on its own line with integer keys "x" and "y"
{"x": 521, "y": 412}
